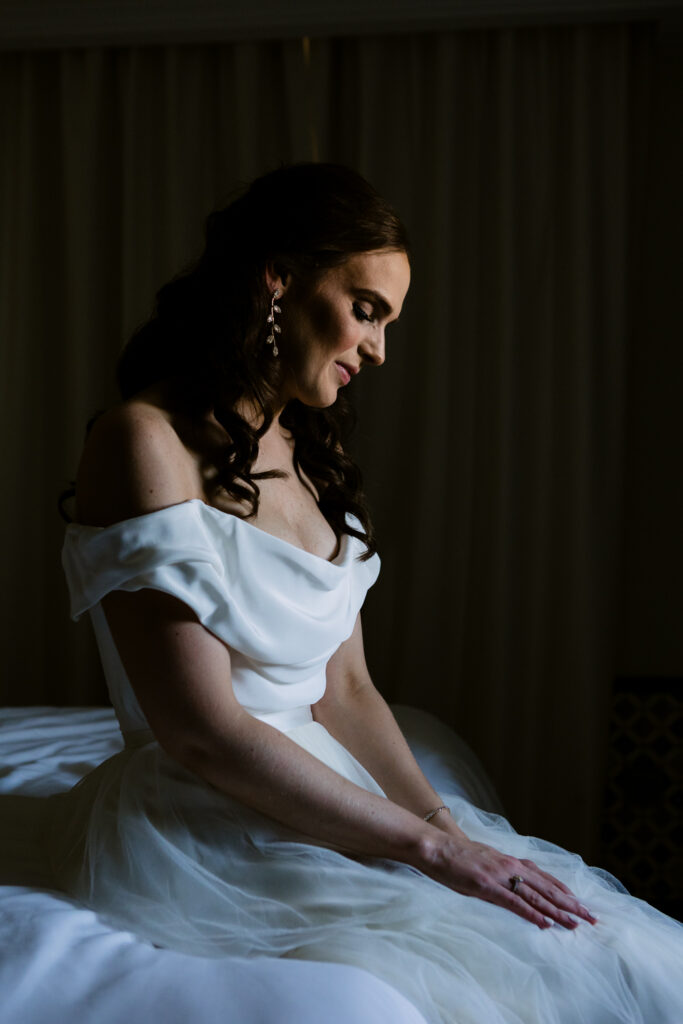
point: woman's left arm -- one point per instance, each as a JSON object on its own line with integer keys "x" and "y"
{"x": 358, "y": 717}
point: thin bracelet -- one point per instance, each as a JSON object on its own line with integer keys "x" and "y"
{"x": 430, "y": 815}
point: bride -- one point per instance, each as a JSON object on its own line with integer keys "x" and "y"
{"x": 266, "y": 802}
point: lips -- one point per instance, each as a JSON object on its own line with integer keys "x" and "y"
{"x": 350, "y": 368}
{"x": 343, "y": 372}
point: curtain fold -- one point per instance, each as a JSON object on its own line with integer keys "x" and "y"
{"x": 491, "y": 440}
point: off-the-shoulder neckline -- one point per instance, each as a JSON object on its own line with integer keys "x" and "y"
{"x": 334, "y": 561}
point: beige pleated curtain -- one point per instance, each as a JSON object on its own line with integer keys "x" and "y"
{"x": 491, "y": 439}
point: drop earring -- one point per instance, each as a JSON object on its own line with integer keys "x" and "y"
{"x": 273, "y": 328}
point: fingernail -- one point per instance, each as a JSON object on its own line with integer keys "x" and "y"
{"x": 589, "y": 912}
{"x": 549, "y": 921}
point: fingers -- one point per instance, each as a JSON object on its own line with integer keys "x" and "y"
{"x": 523, "y": 907}
{"x": 548, "y": 877}
{"x": 551, "y": 898}
{"x": 546, "y": 912}
{"x": 556, "y": 904}
{"x": 527, "y": 903}
{"x": 476, "y": 869}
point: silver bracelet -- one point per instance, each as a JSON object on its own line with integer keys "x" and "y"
{"x": 430, "y": 815}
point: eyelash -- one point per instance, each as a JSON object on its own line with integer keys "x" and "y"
{"x": 361, "y": 315}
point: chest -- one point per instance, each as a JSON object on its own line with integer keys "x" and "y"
{"x": 288, "y": 507}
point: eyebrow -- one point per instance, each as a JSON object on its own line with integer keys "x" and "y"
{"x": 380, "y": 300}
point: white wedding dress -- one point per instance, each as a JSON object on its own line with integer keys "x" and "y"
{"x": 156, "y": 850}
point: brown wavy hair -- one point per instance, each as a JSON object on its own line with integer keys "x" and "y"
{"x": 207, "y": 329}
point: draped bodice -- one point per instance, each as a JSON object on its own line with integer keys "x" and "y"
{"x": 281, "y": 610}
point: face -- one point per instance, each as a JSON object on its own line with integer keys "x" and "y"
{"x": 335, "y": 327}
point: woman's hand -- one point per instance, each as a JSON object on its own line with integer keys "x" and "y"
{"x": 475, "y": 869}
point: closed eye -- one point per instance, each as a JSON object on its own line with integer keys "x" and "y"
{"x": 361, "y": 315}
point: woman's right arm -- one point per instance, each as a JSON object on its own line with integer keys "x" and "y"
{"x": 181, "y": 674}
{"x": 133, "y": 463}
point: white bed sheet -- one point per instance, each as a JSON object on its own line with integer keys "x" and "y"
{"x": 59, "y": 963}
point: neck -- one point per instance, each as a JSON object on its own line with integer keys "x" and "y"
{"x": 274, "y": 435}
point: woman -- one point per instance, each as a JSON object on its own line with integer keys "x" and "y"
{"x": 266, "y": 801}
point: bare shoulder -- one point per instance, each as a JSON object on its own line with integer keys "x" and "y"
{"x": 133, "y": 462}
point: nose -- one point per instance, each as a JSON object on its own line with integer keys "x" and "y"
{"x": 372, "y": 348}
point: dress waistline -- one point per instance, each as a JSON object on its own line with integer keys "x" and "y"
{"x": 282, "y": 720}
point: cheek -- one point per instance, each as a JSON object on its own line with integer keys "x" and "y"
{"x": 328, "y": 326}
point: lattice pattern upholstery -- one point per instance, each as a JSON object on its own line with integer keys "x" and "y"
{"x": 642, "y": 832}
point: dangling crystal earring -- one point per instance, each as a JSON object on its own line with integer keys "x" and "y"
{"x": 273, "y": 327}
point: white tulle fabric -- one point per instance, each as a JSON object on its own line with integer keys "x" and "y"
{"x": 158, "y": 851}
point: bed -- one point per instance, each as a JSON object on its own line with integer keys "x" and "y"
{"x": 59, "y": 962}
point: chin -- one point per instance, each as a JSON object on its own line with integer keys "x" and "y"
{"x": 320, "y": 397}
{"x": 320, "y": 403}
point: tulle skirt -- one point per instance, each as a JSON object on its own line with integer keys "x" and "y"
{"x": 157, "y": 851}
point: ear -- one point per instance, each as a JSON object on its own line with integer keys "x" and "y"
{"x": 276, "y": 277}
